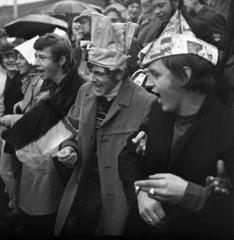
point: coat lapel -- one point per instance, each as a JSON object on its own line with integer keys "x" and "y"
{"x": 123, "y": 98}
{"x": 200, "y": 118}
{"x": 29, "y": 92}
{"x": 183, "y": 141}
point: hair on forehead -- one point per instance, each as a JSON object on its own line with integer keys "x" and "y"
{"x": 59, "y": 47}
{"x": 201, "y": 79}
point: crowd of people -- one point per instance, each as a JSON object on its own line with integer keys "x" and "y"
{"x": 155, "y": 158}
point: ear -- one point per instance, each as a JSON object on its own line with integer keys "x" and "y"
{"x": 62, "y": 60}
{"x": 188, "y": 73}
{"x": 120, "y": 74}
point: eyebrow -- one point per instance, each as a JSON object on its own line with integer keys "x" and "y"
{"x": 152, "y": 71}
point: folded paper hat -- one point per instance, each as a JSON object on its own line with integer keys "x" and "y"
{"x": 176, "y": 39}
{"x": 110, "y": 42}
{"x": 27, "y": 50}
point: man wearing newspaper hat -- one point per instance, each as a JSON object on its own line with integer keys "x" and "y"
{"x": 108, "y": 109}
{"x": 189, "y": 131}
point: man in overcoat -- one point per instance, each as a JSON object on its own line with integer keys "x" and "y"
{"x": 188, "y": 132}
{"x": 107, "y": 110}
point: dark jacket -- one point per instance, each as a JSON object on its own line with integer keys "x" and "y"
{"x": 12, "y": 94}
{"x": 218, "y": 26}
{"x": 64, "y": 96}
{"x": 148, "y": 30}
{"x": 208, "y": 139}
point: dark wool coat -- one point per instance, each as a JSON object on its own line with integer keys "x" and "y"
{"x": 208, "y": 139}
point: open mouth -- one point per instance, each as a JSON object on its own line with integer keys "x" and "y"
{"x": 40, "y": 71}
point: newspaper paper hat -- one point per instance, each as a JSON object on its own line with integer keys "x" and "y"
{"x": 110, "y": 42}
{"x": 27, "y": 50}
{"x": 176, "y": 39}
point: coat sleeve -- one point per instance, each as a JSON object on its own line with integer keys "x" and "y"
{"x": 219, "y": 32}
{"x": 131, "y": 166}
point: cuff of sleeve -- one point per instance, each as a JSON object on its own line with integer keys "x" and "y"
{"x": 194, "y": 198}
{"x": 69, "y": 142}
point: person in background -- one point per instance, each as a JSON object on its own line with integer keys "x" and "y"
{"x": 149, "y": 23}
{"x": 134, "y": 9}
{"x": 118, "y": 14}
{"x": 9, "y": 165}
{"x": 199, "y": 10}
{"x": 81, "y": 26}
{"x": 31, "y": 85}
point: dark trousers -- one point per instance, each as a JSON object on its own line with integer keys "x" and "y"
{"x": 86, "y": 213}
{"x": 39, "y": 225}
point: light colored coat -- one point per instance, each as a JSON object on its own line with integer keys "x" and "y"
{"x": 40, "y": 190}
{"x": 129, "y": 109}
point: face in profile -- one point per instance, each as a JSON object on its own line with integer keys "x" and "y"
{"x": 22, "y": 65}
{"x": 162, "y": 82}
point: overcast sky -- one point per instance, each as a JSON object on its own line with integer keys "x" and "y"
{"x": 11, "y": 2}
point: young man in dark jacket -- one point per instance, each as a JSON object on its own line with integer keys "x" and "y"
{"x": 189, "y": 131}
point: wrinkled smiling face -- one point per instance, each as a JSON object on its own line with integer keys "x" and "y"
{"x": 22, "y": 65}
{"x": 8, "y": 61}
{"x": 163, "y": 83}
{"x": 102, "y": 83}
{"x": 163, "y": 10}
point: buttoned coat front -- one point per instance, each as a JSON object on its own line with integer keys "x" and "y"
{"x": 129, "y": 109}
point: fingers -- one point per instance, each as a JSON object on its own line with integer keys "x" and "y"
{"x": 140, "y": 136}
{"x": 220, "y": 168}
{"x": 147, "y": 184}
{"x": 220, "y": 191}
{"x": 209, "y": 180}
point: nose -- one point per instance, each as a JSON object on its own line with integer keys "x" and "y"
{"x": 149, "y": 83}
{"x": 157, "y": 10}
{"x": 36, "y": 61}
{"x": 12, "y": 58}
{"x": 92, "y": 78}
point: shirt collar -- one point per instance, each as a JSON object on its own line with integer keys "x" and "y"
{"x": 113, "y": 92}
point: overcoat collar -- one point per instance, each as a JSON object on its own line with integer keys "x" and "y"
{"x": 123, "y": 98}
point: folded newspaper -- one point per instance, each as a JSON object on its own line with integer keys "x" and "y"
{"x": 176, "y": 39}
{"x": 110, "y": 42}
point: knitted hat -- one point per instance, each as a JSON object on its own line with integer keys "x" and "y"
{"x": 110, "y": 42}
{"x": 176, "y": 39}
{"x": 27, "y": 50}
